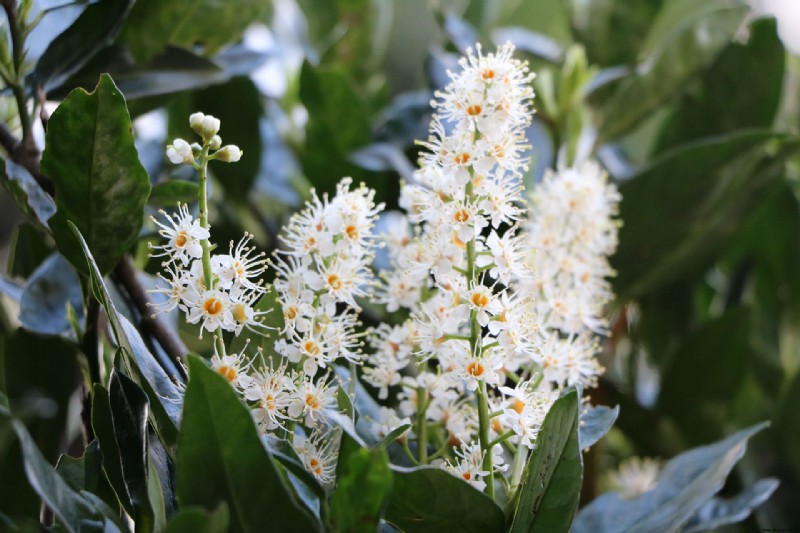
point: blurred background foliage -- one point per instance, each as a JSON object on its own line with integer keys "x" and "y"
{"x": 692, "y": 107}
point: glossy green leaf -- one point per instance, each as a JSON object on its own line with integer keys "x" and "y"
{"x": 220, "y": 458}
{"x": 430, "y": 500}
{"x": 28, "y": 193}
{"x": 85, "y": 473}
{"x": 724, "y": 511}
{"x": 715, "y": 104}
{"x": 72, "y": 511}
{"x": 363, "y": 483}
{"x": 550, "y": 487}
{"x": 686, "y": 483}
{"x": 686, "y": 37}
{"x": 101, "y": 186}
{"x": 152, "y": 25}
{"x": 129, "y": 413}
{"x": 169, "y": 193}
{"x": 594, "y": 423}
{"x": 166, "y": 399}
{"x": 194, "y": 519}
{"x": 43, "y": 305}
{"x": 695, "y": 376}
{"x": 103, "y": 427}
{"x": 703, "y": 190}
{"x": 95, "y": 29}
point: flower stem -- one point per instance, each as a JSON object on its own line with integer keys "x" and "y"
{"x": 483, "y": 423}
{"x": 202, "y": 178}
{"x": 422, "y": 428}
{"x": 517, "y": 467}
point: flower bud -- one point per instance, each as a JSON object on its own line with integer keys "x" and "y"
{"x": 196, "y": 122}
{"x": 229, "y": 154}
{"x": 215, "y": 142}
{"x": 180, "y": 152}
{"x": 210, "y": 127}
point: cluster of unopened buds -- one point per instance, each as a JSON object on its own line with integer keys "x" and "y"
{"x": 504, "y": 306}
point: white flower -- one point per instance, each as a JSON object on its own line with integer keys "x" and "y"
{"x": 469, "y": 465}
{"x": 232, "y": 367}
{"x": 318, "y": 455}
{"x": 211, "y": 309}
{"x": 272, "y": 391}
{"x": 635, "y": 476}
{"x": 239, "y": 266}
{"x": 180, "y": 152}
{"x": 311, "y": 401}
{"x": 184, "y": 235}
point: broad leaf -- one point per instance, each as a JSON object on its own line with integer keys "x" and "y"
{"x": 43, "y": 305}
{"x": 154, "y": 24}
{"x": 721, "y": 512}
{"x": 594, "y": 423}
{"x": 172, "y": 192}
{"x": 27, "y": 251}
{"x": 430, "y": 500}
{"x": 103, "y": 427}
{"x": 685, "y": 38}
{"x": 703, "y": 190}
{"x": 95, "y": 29}
{"x": 550, "y": 488}
{"x": 363, "y": 483}
{"x": 28, "y": 193}
{"x": 685, "y": 485}
{"x": 101, "y": 186}
{"x": 220, "y": 458}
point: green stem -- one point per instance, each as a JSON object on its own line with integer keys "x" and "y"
{"x": 422, "y": 427}
{"x": 501, "y": 439}
{"x": 517, "y": 467}
{"x": 18, "y": 87}
{"x": 202, "y": 177}
{"x": 486, "y": 447}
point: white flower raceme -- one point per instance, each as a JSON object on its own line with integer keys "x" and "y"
{"x": 183, "y": 234}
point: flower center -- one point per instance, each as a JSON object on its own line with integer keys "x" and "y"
{"x": 351, "y": 231}
{"x": 475, "y": 369}
{"x": 334, "y": 282}
{"x": 480, "y": 300}
{"x": 474, "y": 110}
{"x": 519, "y": 405}
{"x": 467, "y": 476}
{"x": 181, "y": 239}
{"x": 462, "y": 159}
{"x": 311, "y": 348}
{"x": 312, "y": 401}
{"x": 291, "y": 313}
{"x": 212, "y": 306}
{"x": 227, "y": 372}
{"x": 461, "y": 216}
{"x": 240, "y": 313}
{"x": 488, "y": 74}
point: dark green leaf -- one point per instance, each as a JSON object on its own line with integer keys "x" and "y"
{"x": 129, "y": 413}
{"x": 27, "y": 250}
{"x": 595, "y": 423}
{"x": 685, "y": 38}
{"x": 220, "y": 458}
{"x": 550, "y": 488}
{"x": 86, "y": 473}
{"x": 169, "y": 193}
{"x": 717, "y": 105}
{"x": 72, "y": 511}
{"x": 721, "y": 512}
{"x": 95, "y": 29}
{"x": 696, "y": 377}
{"x": 101, "y": 186}
{"x": 43, "y": 305}
{"x": 103, "y": 427}
{"x": 363, "y": 483}
{"x": 154, "y": 24}
{"x": 28, "y": 193}
{"x": 193, "y": 519}
{"x": 18, "y": 501}
{"x": 703, "y": 190}
{"x": 686, "y": 483}
{"x": 392, "y": 436}
{"x": 430, "y": 500}
{"x": 166, "y": 399}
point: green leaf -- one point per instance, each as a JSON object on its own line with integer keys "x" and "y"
{"x": 595, "y": 422}
{"x": 169, "y": 193}
{"x": 550, "y": 488}
{"x": 430, "y": 500}
{"x": 103, "y": 427}
{"x": 101, "y": 186}
{"x": 337, "y": 125}
{"x": 154, "y": 24}
{"x": 686, "y": 483}
{"x": 392, "y": 436}
{"x": 72, "y": 511}
{"x": 165, "y": 398}
{"x": 686, "y": 37}
{"x": 194, "y": 519}
{"x": 28, "y": 194}
{"x": 95, "y": 29}
{"x": 220, "y": 458}
{"x": 695, "y": 376}
{"x": 363, "y": 483}
{"x": 715, "y": 104}
{"x": 43, "y": 305}
{"x": 85, "y": 473}
{"x": 27, "y": 250}
{"x": 704, "y": 190}
{"x": 721, "y": 512}
{"x": 129, "y": 413}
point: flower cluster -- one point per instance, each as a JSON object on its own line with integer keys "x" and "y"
{"x": 474, "y": 364}
{"x": 323, "y": 268}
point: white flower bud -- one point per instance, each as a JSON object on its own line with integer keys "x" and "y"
{"x": 196, "y": 122}
{"x": 210, "y": 127}
{"x": 229, "y": 154}
{"x": 215, "y": 142}
{"x": 180, "y": 152}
